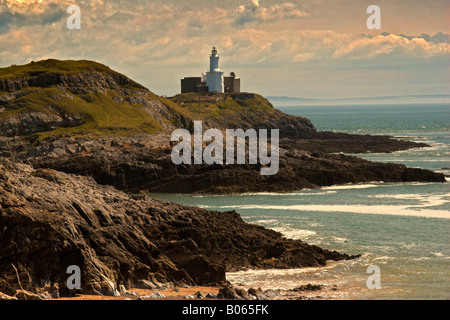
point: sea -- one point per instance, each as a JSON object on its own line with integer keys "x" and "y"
{"x": 401, "y": 230}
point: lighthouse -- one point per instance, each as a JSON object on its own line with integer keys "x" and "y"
{"x": 214, "y": 77}
{"x": 213, "y": 80}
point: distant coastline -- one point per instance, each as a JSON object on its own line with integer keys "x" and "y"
{"x": 398, "y": 100}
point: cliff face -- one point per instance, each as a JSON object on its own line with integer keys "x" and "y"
{"x": 82, "y": 117}
{"x": 245, "y": 111}
{"x": 50, "y": 220}
{"x": 51, "y": 99}
{"x": 54, "y": 98}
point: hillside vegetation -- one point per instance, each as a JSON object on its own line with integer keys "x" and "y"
{"x": 216, "y": 105}
{"x": 54, "y": 99}
{"x": 34, "y": 69}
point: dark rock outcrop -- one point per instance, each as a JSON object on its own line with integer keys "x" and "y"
{"x": 134, "y": 164}
{"x": 50, "y": 220}
{"x": 336, "y": 142}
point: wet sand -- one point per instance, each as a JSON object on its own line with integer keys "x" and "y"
{"x": 169, "y": 293}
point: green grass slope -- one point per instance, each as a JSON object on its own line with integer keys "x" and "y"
{"x": 218, "y": 105}
{"x": 124, "y": 108}
{"x": 52, "y": 66}
{"x": 101, "y": 113}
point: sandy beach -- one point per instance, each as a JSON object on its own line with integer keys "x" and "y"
{"x": 169, "y": 294}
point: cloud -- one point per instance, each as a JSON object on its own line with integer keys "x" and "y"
{"x": 16, "y": 14}
{"x": 254, "y": 12}
{"x": 305, "y": 56}
{"x": 166, "y": 35}
{"x": 156, "y": 42}
{"x": 440, "y": 38}
{"x": 390, "y": 44}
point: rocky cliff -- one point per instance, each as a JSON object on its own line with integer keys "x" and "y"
{"x": 73, "y": 132}
{"x": 50, "y": 220}
{"x": 82, "y": 117}
{"x": 51, "y": 99}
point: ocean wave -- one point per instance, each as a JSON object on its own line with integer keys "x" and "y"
{"x": 319, "y": 193}
{"x": 396, "y": 210}
{"x": 445, "y": 172}
{"x": 354, "y": 186}
{"x": 421, "y": 259}
{"x": 413, "y": 160}
{"x": 425, "y": 199}
{"x": 304, "y": 192}
{"x": 265, "y": 221}
{"x": 269, "y": 193}
{"x": 418, "y": 183}
{"x": 279, "y": 272}
{"x": 314, "y": 224}
{"x": 407, "y": 196}
{"x": 339, "y": 239}
{"x": 329, "y": 276}
{"x": 382, "y": 259}
{"x": 295, "y": 234}
{"x": 407, "y": 245}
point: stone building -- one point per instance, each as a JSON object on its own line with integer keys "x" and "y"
{"x": 190, "y": 84}
{"x": 232, "y": 83}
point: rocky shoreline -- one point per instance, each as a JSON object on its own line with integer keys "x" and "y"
{"x": 225, "y": 292}
{"x": 136, "y": 164}
{"x": 50, "y": 220}
{"x": 81, "y": 145}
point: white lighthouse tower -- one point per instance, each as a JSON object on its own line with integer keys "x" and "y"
{"x": 214, "y": 77}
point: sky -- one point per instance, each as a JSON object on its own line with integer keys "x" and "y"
{"x": 298, "y": 48}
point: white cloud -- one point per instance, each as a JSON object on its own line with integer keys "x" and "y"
{"x": 367, "y": 48}
{"x": 254, "y": 12}
{"x": 305, "y": 56}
